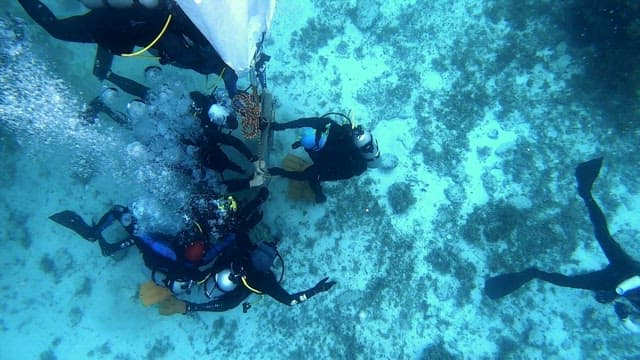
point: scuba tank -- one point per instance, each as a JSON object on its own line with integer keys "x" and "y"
{"x": 225, "y": 280}
{"x": 120, "y": 4}
{"x": 220, "y": 283}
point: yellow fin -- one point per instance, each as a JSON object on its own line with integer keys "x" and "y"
{"x": 150, "y": 293}
{"x": 171, "y": 305}
{"x": 294, "y": 163}
{"x": 297, "y": 190}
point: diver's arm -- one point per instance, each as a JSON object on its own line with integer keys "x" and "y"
{"x": 73, "y": 28}
{"x": 222, "y": 303}
{"x": 317, "y": 123}
{"x": 231, "y": 140}
{"x": 268, "y": 284}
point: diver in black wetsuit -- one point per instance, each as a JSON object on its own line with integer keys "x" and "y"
{"x": 214, "y": 118}
{"x": 619, "y": 279}
{"x": 241, "y": 270}
{"x": 338, "y": 152}
{"x": 183, "y": 258}
{"x": 118, "y": 30}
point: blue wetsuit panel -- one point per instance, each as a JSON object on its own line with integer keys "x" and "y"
{"x": 159, "y": 247}
{"x": 217, "y": 248}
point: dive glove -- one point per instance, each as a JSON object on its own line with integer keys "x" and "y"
{"x": 323, "y": 285}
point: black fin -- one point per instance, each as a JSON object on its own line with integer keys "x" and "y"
{"x": 502, "y": 285}
{"x": 73, "y": 221}
{"x": 586, "y": 175}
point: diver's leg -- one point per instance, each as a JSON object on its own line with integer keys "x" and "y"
{"x": 230, "y": 79}
{"x": 586, "y": 174}
{"x": 612, "y": 250}
{"x": 250, "y": 214}
{"x": 235, "y": 185}
{"x": 73, "y": 221}
{"x": 254, "y": 204}
{"x": 128, "y": 222}
{"x": 504, "y": 284}
{"x": 312, "y": 173}
{"x": 230, "y": 165}
{"x": 102, "y": 70}
{"x": 70, "y": 29}
{"x": 601, "y": 280}
{"x": 96, "y": 106}
{"x": 314, "y": 184}
{"x": 102, "y": 63}
{"x": 109, "y": 249}
{"x": 222, "y": 303}
{"x": 130, "y": 86}
{"x": 294, "y": 175}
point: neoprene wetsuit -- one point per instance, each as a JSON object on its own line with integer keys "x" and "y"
{"x": 338, "y": 159}
{"x": 119, "y": 30}
{"x": 604, "y": 282}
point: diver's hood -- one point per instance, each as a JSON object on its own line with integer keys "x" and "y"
{"x": 233, "y": 27}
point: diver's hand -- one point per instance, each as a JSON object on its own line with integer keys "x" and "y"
{"x": 257, "y": 180}
{"x": 323, "y": 285}
{"x": 260, "y": 166}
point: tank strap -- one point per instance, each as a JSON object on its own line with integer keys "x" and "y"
{"x": 164, "y": 28}
{"x": 244, "y": 282}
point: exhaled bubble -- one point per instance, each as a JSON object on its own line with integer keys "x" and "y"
{"x": 109, "y": 95}
{"x": 153, "y": 74}
{"x": 136, "y": 109}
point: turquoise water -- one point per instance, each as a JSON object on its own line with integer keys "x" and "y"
{"x": 489, "y": 106}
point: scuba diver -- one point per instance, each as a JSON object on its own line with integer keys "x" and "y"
{"x": 193, "y": 257}
{"x": 182, "y": 258}
{"x": 338, "y": 151}
{"x": 118, "y": 26}
{"x": 241, "y": 270}
{"x": 215, "y": 116}
{"x": 620, "y": 279}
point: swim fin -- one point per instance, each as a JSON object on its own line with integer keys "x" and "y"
{"x": 297, "y": 190}
{"x": 586, "y": 174}
{"x": 502, "y": 285}
{"x": 73, "y": 221}
{"x": 171, "y": 306}
{"x": 151, "y": 294}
